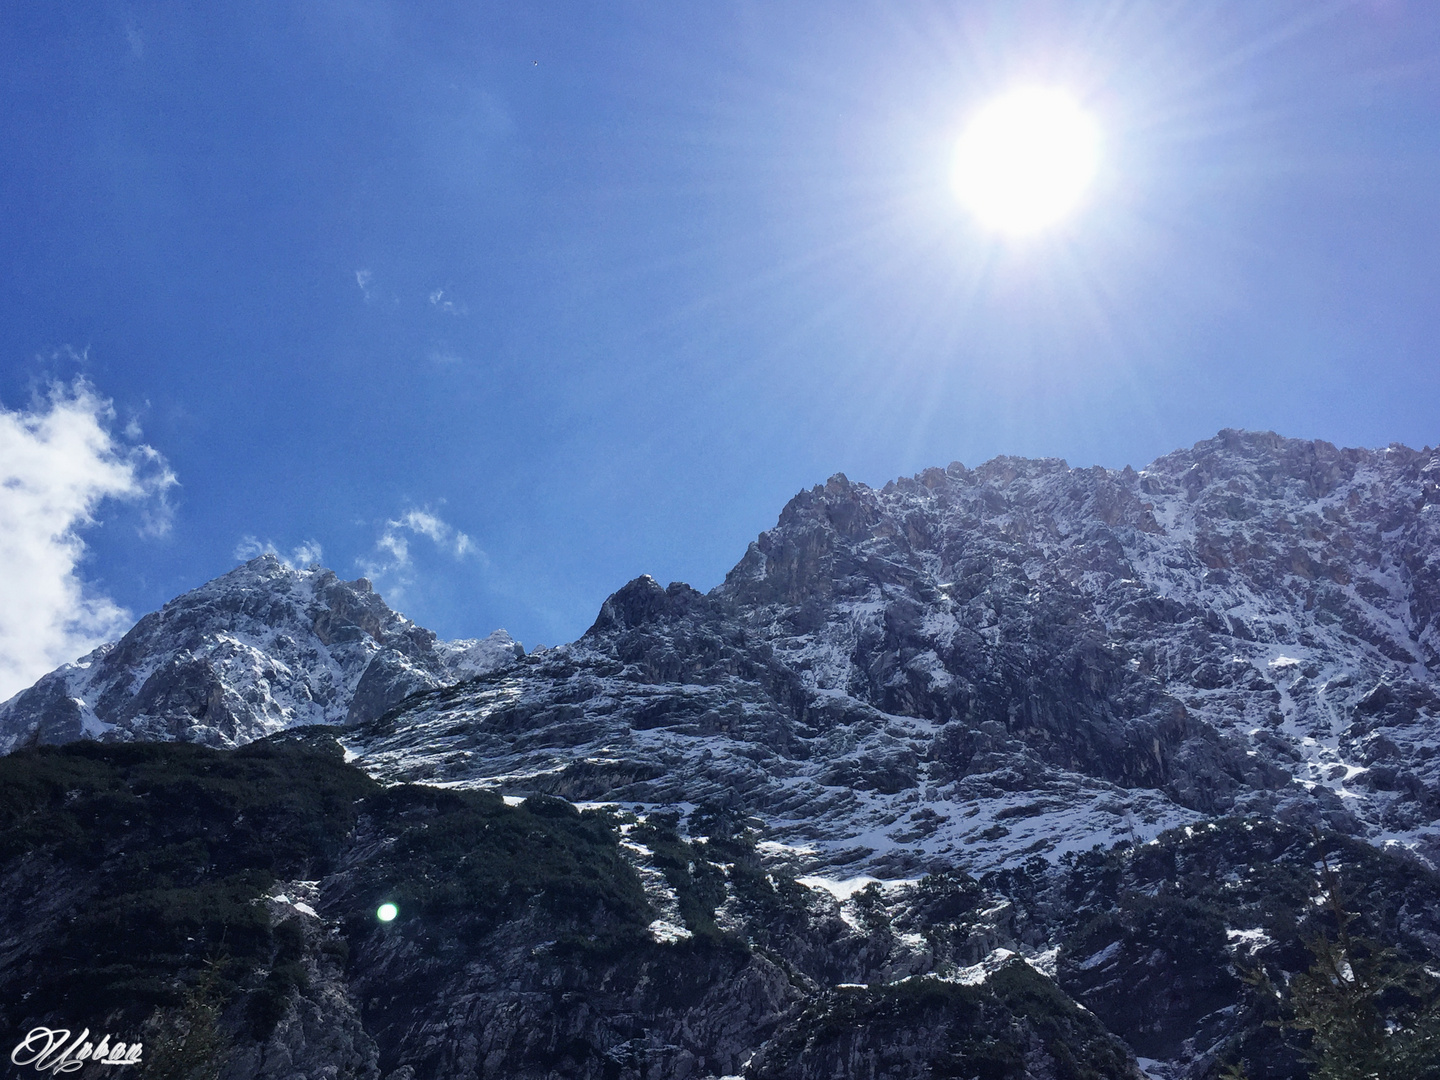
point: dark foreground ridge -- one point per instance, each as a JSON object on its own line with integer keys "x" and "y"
{"x": 522, "y": 948}
{"x": 226, "y": 900}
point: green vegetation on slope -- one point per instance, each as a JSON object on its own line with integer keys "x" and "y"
{"x": 128, "y": 868}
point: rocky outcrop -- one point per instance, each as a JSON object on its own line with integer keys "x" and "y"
{"x": 1013, "y": 1024}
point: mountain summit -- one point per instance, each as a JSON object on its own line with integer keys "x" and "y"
{"x": 258, "y": 650}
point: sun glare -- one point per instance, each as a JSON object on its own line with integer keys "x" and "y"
{"x": 1025, "y": 160}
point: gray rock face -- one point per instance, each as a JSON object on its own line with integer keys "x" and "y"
{"x": 977, "y": 666}
{"x": 320, "y": 1033}
{"x": 255, "y": 651}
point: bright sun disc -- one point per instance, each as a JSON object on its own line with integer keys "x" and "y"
{"x": 1025, "y": 160}
{"x": 386, "y": 912}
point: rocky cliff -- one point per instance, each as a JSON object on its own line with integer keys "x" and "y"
{"x": 976, "y": 666}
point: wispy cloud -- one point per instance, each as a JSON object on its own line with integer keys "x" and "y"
{"x": 59, "y": 461}
{"x": 306, "y": 554}
{"x": 363, "y": 278}
{"x": 391, "y": 565}
{"x": 440, "y": 302}
{"x": 444, "y": 356}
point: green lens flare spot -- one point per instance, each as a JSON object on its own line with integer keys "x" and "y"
{"x": 387, "y": 912}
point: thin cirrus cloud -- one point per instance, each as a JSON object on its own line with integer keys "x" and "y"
{"x": 60, "y": 461}
{"x": 391, "y": 566}
{"x": 441, "y": 302}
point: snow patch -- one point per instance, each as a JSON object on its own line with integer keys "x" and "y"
{"x": 1105, "y": 955}
{"x": 976, "y": 974}
{"x": 667, "y": 933}
{"x": 776, "y": 850}
{"x": 1248, "y": 941}
{"x": 844, "y": 890}
{"x": 1045, "y": 962}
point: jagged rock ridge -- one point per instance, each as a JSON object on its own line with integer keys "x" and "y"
{"x": 967, "y": 665}
{"x": 978, "y": 665}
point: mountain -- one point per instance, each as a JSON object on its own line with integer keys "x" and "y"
{"x": 977, "y": 666}
{"x": 1012, "y": 772}
{"x": 256, "y": 651}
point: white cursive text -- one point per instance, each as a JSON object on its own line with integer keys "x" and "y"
{"x": 53, "y": 1049}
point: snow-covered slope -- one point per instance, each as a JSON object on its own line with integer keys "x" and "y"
{"x": 980, "y": 666}
{"x": 260, "y": 649}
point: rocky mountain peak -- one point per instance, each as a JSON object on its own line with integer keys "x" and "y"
{"x": 1251, "y": 623}
{"x": 642, "y": 601}
{"x": 259, "y": 649}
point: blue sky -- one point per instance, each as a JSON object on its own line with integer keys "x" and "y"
{"x": 550, "y": 295}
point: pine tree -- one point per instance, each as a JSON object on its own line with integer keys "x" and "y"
{"x": 1371, "y": 1015}
{"x": 188, "y": 1043}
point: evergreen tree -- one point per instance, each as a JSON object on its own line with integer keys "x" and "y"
{"x": 1369, "y": 1013}
{"x": 188, "y": 1043}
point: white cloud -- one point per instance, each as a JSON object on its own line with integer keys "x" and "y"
{"x": 440, "y": 303}
{"x": 392, "y": 564}
{"x": 363, "y": 279}
{"x": 306, "y": 554}
{"x": 58, "y": 462}
{"x": 427, "y": 524}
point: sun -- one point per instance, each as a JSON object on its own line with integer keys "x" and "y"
{"x": 1026, "y": 159}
